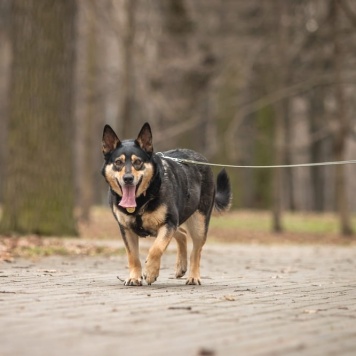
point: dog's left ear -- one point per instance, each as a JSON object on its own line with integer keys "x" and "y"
{"x": 144, "y": 138}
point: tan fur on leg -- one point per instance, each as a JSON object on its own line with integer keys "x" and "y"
{"x": 197, "y": 231}
{"x": 133, "y": 256}
{"x": 182, "y": 261}
{"x": 153, "y": 261}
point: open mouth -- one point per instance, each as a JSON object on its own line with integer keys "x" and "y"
{"x": 128, "y": 199}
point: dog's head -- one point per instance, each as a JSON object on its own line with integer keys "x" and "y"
{"x": 128, "y": 168}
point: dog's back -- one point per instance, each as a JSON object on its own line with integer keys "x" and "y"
{"x": 193, "y": 185}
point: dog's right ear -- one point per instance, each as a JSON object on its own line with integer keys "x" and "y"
{"x": 110, "y": 140}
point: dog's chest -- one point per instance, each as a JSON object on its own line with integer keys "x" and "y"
{"x": 143, "y": 224}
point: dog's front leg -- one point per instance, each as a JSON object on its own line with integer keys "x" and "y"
{"x": 153, "y": 261}
{"x": 133, "y": 256}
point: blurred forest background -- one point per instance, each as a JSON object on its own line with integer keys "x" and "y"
{"x": 243, "y": 82}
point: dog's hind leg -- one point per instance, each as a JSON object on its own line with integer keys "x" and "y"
{"x": 197, "y": 230}
{"x": 182, "y": 260}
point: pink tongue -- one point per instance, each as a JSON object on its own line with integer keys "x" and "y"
{"x": 128, "y": 196}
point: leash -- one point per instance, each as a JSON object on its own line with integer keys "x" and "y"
{"x": 188, "y": 161}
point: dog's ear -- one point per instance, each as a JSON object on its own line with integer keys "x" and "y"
{"x": 110, "y": 140}
{"x": 144, "y": 138}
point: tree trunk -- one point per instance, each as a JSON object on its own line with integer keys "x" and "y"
{"x": 281, "y": 114}
{"x": 342, "y": 124}
{"x": 289, "y": 176}
{"x": 39, "y": 187}
{"x": 316, "y": 123}
{"x": 87, "y": 112}
{"x": 127, "y": 90}
{"x": 5, "y": 60}
{"x": 277, "y": 186}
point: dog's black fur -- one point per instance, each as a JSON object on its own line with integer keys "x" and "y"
{"x": 153, "y": 195}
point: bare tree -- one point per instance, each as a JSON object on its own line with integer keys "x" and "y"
{"x": 39, "y": 187}
{"x": 341, "y": 121}
{"x": 86, "y": 113}
{"x": 5, "y": 59}
{"x": 127, "y": 38}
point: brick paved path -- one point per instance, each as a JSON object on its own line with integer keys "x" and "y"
{"x": 255, "y": 300}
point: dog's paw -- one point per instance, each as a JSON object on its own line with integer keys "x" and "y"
{"x": 181, "y": 267}
{"x": 133, "y": 282}
{"x": 180, "y": 271}
{"x": 193, "y": 281}
{"x": 151, "y": 271}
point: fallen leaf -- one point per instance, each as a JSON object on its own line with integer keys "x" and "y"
{"x": 310, "y": 311}
{"x": 230, "y": 298}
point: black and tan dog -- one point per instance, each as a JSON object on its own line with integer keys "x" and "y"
{"x": 152, "y": 195}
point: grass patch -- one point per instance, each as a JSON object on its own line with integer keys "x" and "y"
{"x": 40, "y": 251}
{"x": 35, "y": 247}
{"x": 299, "y": 228}
{"x": 292, "y": 222}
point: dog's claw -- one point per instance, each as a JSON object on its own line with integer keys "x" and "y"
{"x": 133, "y": 282}
{"x": 180, "y": 273}
{"x": 150, "y": 280}
{"x": 193, "y": 281}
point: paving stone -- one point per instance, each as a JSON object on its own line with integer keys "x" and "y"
{"x": 255, "y": 300}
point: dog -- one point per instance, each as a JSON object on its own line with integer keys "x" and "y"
{"x": 154, "y": 194}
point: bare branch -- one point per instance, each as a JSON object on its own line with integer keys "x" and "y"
{"x": 272, "y": 98}
{"x": 347, "y": 11}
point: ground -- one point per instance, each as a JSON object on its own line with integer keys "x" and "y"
{"x": 66, "y": 296}
{"x": 255, "y": 300}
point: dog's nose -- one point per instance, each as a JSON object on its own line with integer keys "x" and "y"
{"x": 128, "y": 178}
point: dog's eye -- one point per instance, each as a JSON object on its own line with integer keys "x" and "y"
{"x": 137, "y": 163}
{"x": 119, "y": 163}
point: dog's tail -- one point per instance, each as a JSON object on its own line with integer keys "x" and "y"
{"x": 223, "y": 195}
